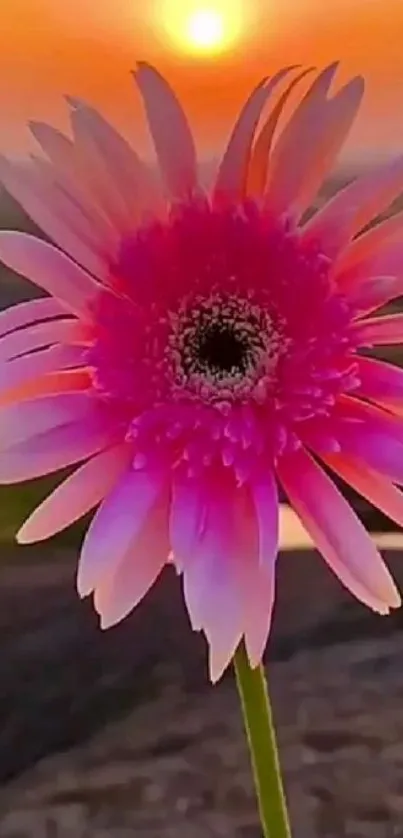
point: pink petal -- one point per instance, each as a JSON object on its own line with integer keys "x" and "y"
{"x": 386, "y": 261}
{"x": 259, "y": 598}
{"x": 232, "y": 173}
{"x": 48, "y": 268}
{"x": 49, "y": 212}
{"x": 71, "y": 170}
{"x": 77, "y": 495}
{"x": 259, "y": 158}
{"x": 24, "y": 314}
{"x": 83, "y": 219}
{"x": 170, "y": 131}
{"x": 310, "y": 143}
{"x": 210, "y": 586}
{"x": 21, "y": 422}
{"x": 128, "y": 583}
{"x": 374, "y": 292}
{"x": 369, "y": 415}
{"x": 380, "y": 492}
{"x": 332, "y": 240}
{"x": 128, "y": 186}
{"x": 187, "y": 515}
{"x": 64, "y": 381}
{"x": 379, "y": 330}
{"x": 373, "y": 241}
{"x": 116, "y": 525}
{"x": 90, "y": 140}
{"x": 373, "y": 436}
{"x": 20, "y": 371}
{"x": 265, "y": 496}
{"x": 59, "y": 447}
{"x": 40, "y": 335}
{"x": 257, "y": 524}
{"x": 337, "y": 532}
{"x": 381, "y": 382}
{"x": 370, "y": 194}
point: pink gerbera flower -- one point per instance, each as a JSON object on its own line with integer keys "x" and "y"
{"x": 198, "y": 350}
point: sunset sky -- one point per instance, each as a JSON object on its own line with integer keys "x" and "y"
{"x": 87, "y": 47}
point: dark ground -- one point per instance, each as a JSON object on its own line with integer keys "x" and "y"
{"x": 119, "y": 734}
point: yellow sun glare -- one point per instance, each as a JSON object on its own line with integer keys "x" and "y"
{"x": 207, "y": 28}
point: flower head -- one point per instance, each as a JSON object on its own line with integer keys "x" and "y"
{"x": 197, "y": 350}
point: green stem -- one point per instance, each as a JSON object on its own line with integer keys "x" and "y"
{"x": 259, "y": 726}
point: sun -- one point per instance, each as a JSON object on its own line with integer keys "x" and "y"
{"x": 201, "y": 28}
{"x": 206, "y": 29}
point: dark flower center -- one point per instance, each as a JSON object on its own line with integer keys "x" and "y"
{"x": 222, "y": 346}
{"x": 221, "y": 349}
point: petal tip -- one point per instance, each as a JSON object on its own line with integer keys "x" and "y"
{"x": 106, "y": 622}
{"x": 24, "y": 537}
{"x": 83, "y": 587}
{"x": 74, "y": 102}
{"x": 143, "y": 67}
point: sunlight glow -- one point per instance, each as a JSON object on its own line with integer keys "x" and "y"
{"x": 206, "y": 29}
{"x": 196, "y": 27}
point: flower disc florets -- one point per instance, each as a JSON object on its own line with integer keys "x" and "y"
{"x": 215, "y": 341}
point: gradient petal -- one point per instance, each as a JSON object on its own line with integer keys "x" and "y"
{"x": 210, "y": 585}
{"x": 97, "y": 147}
{"x": 376, "y": 331}
{"x": 265, "y": 496}
{"x": 87, "y": 223}
{"x": 386, "y": 261}
{"x": 81, "y": 492}
{"x": 187, "y": 517}
{"x": 381, "y": 382}
{"x": 337, "y": 532}
{"x": 21, "y": 371}
{"x": 372, "y": 293}
{"x": 132, "y": 578}
{"x": 232, "y": 173}
{"x": 260, "y": 155}
{"x": 367, "y": 244}
{"x": 380, "y": 492}
{"x": 116, "y": 525}
{"x": 21, "y": 422}
{"x": 25, "y": 314}
{"x": 49, "y": 269}
{"x": 259, "y": 597}
{"x": 310, "y": 142}
{"x": 175, "y": 148}
{"x": 372, "y": 435}
{"x": 40, "y": 335}
{"x": 49, "y": 212}
{"x": 63, "y": 381}
{"x": 370, "y": 194}
{"x": 127, "y": 171}
{"x": 70, "y": 169}
{"x": 61, "y": 446}
{"x": 255, "y": 559}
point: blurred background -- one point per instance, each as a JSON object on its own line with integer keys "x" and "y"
{"x": 119, "y": 734}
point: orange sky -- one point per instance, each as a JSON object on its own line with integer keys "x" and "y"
{"x": 86, "y": 47}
